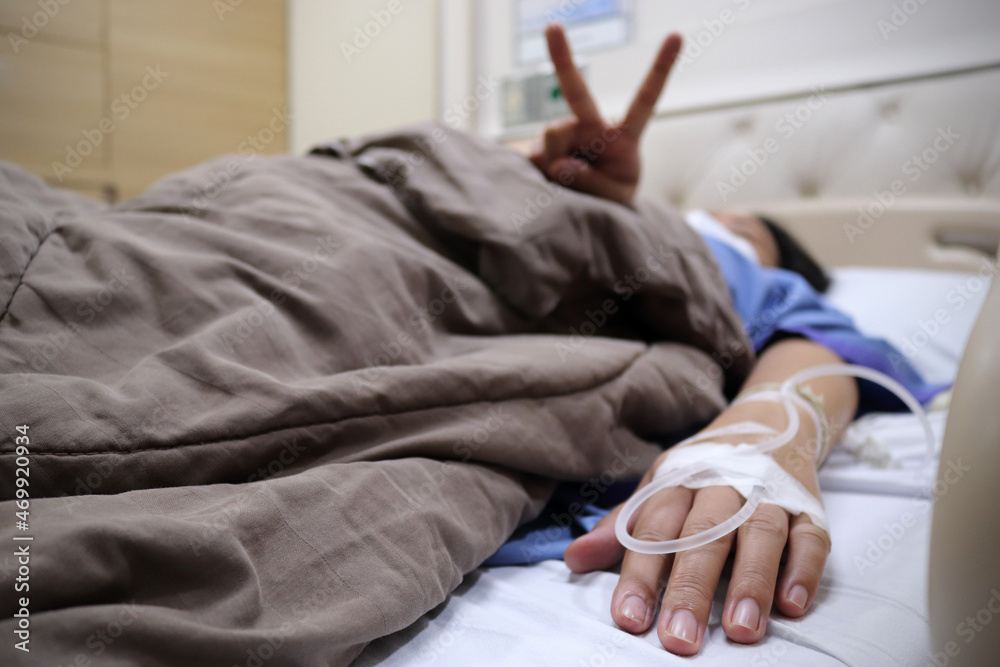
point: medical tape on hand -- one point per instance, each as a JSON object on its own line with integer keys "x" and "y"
{"x": 748, "y": 468}
{"x": 755, "y": 475}
{"x": 780, "y": 396}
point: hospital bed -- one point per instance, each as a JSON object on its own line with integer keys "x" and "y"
{"x": 896, "y": 188}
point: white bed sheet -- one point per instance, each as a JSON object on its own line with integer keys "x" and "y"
{"x": 872, "y": 607}
{"x": 926, "y": 314}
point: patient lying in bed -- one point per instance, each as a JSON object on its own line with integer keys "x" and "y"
{"x": 389, "y": 356}
{"x": 775, "y": 286}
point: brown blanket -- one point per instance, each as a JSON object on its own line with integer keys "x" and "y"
{"x": 277, "y": 407}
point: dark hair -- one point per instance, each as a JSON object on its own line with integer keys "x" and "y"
{"x": 793, "y": 257}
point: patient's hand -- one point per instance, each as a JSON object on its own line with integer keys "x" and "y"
{"x": 760, "y": 576}
{"x": 586, "y": 153}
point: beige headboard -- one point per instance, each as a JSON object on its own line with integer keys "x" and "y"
{"x": 922, "y": 232}
{"x": 894, "y": 174}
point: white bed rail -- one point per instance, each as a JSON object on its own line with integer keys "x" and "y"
{"x": 964, "y": 576}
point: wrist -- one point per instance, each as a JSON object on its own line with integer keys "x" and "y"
{"x": 797, "y": 457}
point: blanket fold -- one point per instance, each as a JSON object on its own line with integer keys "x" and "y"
{"x": 343, "y": 378}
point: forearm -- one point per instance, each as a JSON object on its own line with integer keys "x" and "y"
{"x": 776, "y": 364}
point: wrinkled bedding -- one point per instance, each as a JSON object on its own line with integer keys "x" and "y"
{"x": 278, "y": 407}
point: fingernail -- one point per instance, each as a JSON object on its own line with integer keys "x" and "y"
{"x": 798, "y": 596}
{"x": 684, "y": 625}
{"x": 635, "y": 609}
{"x": 747, "y": 614}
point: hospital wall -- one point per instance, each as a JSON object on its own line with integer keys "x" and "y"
{"x": 361, "y": 66}
{"x": 431, "y": 56}
{"x": 739, "y": 51}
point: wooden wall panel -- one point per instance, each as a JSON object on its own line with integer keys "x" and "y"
{"x": 222, "y": 80}
{"x": 50, "y": 103}
{"x": 143, "y": 88}
{"x": 67, "y": 20}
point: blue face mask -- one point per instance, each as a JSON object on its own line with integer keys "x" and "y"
{"x": 705, "y": 224}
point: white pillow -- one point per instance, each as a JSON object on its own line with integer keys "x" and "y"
{"x": 927, "y": 315}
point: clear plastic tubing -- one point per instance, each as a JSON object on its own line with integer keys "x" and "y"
{"x": 757, "y": 495}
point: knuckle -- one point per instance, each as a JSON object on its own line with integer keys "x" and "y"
{"x": 699, "y": 524}
{"x": 651, "y": 533}
{"x": 689, "y": 587}
{"x": 758, "y": 576}
{"x": 810, "y": 535}
{"x": 765, "y": 526}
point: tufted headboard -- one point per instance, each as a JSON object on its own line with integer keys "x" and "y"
{"x": 904, "y": 173}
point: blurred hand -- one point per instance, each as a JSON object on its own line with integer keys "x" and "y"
{"x": 586, "y": 153}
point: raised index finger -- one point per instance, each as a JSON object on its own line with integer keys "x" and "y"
{"x": 574, "y": 89}
{"x": 644, "y": 103}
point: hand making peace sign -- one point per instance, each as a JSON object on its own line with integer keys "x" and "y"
{"x": 585, "y": 152}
